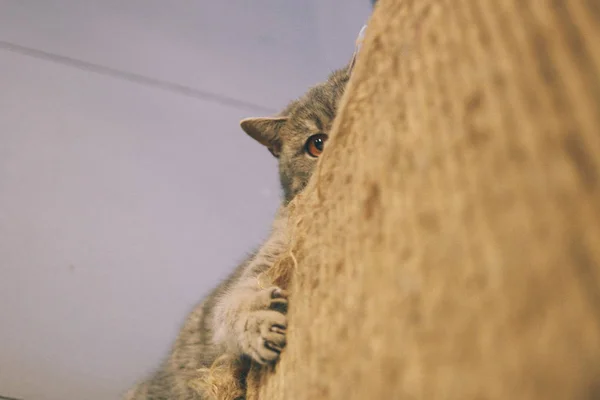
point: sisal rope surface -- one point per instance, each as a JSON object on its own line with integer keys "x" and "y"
{"x": 449, "y": 247}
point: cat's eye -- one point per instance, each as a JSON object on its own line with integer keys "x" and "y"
{"x": 315, "y": 144}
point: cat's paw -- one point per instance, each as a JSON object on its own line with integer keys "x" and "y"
{"x": 264, "y": 329}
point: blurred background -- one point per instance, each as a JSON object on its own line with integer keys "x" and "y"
{"x": 127, "y": 189}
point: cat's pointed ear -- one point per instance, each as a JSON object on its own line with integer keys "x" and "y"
{"x": 265, "y": 131}
{"x": 359, "y": 41}
{"x": 351, "y": 64}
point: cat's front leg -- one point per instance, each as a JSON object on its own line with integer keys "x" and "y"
{"x": 252, "y": 321}
{"x": 262, "y": 325}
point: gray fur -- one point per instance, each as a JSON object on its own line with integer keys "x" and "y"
{"x": 239, "y": 317}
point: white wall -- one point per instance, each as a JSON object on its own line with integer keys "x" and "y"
{"x": 123, "y": 203}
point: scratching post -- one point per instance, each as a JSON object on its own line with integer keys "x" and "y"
{"x": 449, "y": 245}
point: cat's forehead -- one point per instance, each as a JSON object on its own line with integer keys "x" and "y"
{"x": 314, "y": 115}
{"x": 316, "y": 110}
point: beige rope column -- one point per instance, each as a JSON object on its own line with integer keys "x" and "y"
{"x": 452, "y": 249}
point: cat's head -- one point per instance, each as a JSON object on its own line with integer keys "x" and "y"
{"x": 298, "y": 134}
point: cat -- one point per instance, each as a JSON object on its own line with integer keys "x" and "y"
{"x": 240, "y": 318}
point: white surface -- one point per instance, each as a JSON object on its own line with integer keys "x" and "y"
{"x": 121, "y": 205}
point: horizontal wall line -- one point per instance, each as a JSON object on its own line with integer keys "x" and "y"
{"x": 135, "y": 78}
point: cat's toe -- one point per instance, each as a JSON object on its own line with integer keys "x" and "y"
{"x": 272, "y": 298}
{"x": 279, "y": 300}
{"x": 274, "y": 341}
{"x": 266, "y": 333}
{"x": 266, "y": 351}
{"x": 278, "y": 293}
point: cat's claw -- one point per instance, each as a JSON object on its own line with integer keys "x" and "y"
{"x": 279, "y": 293}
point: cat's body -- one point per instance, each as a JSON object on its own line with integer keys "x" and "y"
{"x": 239, "y": 317}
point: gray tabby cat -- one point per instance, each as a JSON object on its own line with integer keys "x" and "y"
{"x": 239, "y": 317}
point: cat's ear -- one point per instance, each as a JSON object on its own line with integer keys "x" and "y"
{"x": 351, "y": 64}
{"x": 265, "y": 131}
{"x": 359, "y": 41}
